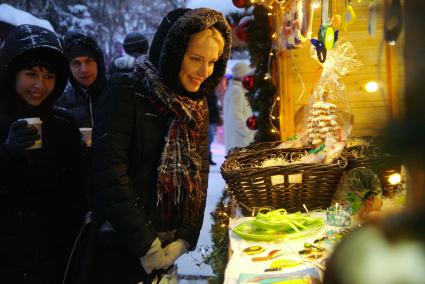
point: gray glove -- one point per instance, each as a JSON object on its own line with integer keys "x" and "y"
{"x": 154, "y": 258}
{"x": 173, "y": 251}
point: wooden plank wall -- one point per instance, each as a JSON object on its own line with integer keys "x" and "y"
{"x": 369, "y": 109}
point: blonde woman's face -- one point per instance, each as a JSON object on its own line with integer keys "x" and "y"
{"x": 198, "y": 62}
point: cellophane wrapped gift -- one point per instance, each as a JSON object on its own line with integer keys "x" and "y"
{"x": 328, "y": 113}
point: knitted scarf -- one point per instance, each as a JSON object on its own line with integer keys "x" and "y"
{"x": 179, "y": 180}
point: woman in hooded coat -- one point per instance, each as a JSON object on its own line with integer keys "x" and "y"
{"x": 151, "y": 152}
{"x": 40, "y": 189}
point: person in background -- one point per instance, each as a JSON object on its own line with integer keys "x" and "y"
{"x": 214, "y": 121}
{"x": 236, "y": 109}
{"x": 41, "y": 179}
{"x": 86, "y": 64}
{"x": 151, "y": 152}
{"x": 135, "y": 44}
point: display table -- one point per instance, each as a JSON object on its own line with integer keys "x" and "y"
{"x": 242, "y": 269}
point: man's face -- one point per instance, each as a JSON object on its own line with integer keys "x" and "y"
{"x": 84, "y": 70}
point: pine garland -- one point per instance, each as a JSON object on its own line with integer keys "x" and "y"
{"x": 217, "y": 258}
{"x": 259, "y": 45}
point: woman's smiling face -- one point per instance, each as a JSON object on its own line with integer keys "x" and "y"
{"x": 34, "y": 84}
{"x": 198, "y": 62}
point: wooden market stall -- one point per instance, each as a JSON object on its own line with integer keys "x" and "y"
{"x": 280, "y": 175}
{"x": 381, "y": 63}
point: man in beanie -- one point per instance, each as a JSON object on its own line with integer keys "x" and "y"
{"x": 236, "y": 109}
{"x": 86, "y": 64}
{"x": 135, "y": 44}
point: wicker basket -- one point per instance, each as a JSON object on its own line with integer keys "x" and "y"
{"x": 371, "y": 156}
{"x": 286, "y": 186}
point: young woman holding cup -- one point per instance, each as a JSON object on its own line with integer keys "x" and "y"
{"x": 41, "y": 183}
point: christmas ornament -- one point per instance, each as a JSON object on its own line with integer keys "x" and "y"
{"x": 349, "y": 16}
{"x": 373, "y": 18}
{"x": 326, "y": 40}
{"x": 239, "y": 3}
{"x": 248, "y": 82}
{"x": 251, "y": 122}
{"x": 393, "y": 21}
{"x": 244, "y": 23}
{"x": 241, "y": 32}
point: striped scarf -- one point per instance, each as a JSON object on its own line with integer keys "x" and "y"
{"x": 179, "y": 180}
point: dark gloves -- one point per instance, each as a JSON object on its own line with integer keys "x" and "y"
{"x": 19, "y": 138}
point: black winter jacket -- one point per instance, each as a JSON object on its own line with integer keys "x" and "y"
{"x": 129, "y": 142}
{"x": 41, "y": 198}
{"x": 83, "y": 103}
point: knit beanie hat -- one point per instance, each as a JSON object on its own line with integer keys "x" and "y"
{"x": 240, "y": 70}
{"x": 161, "y": 33}
{"x": 80, "y": 49}
{"x": 135, "y": 44}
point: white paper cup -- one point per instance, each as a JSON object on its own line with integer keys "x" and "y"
{"x": 36, "y": 122}
{"x": 86, "y": 133}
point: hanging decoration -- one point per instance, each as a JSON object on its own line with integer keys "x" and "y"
{"x": 240, "y": 3}
{"x": 239, "y": 23}
{"x": 373, "y": 18}
{"x": 349, "y": 15}
{"x": 327, "y": 115}
{"x": 251, "y": 122}
{"x": 241, "y": 28}
{"x": 327, "y": 36}
{"x": 248, "y": 82}
{"x": 292, "y": 23}
{"x": 393, "y": 21}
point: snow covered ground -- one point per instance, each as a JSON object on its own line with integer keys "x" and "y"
{"x": 191, "y": 264}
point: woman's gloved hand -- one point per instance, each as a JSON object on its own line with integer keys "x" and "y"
{"x": 173, "y": 251}
{"x": 154, "y": 258}
{"x": 19, "y": 138}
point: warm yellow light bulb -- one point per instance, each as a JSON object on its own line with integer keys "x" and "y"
{"x": 273, "y": 131}
{"x": 371, "y": 87}
{"x": 315, "y": 4}
{"x": 394, "y": 178}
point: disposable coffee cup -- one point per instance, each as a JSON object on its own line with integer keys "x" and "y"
{"x": 86, "y": 133}
{"x": 36, "y": 122}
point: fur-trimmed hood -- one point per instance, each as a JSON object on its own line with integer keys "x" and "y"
{"x": 172, "y": 41}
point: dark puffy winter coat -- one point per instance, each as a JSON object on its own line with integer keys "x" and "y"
{"x": 41, "y": 198}
{"x": 83, "y": 103}
{"x": 129, "y": 142}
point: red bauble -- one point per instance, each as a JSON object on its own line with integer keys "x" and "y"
{"x": 241, "y": 31}
{"x": 239, "y": 3}
{"x": 251, "y": 122}
{"x": 248, "y": 82}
